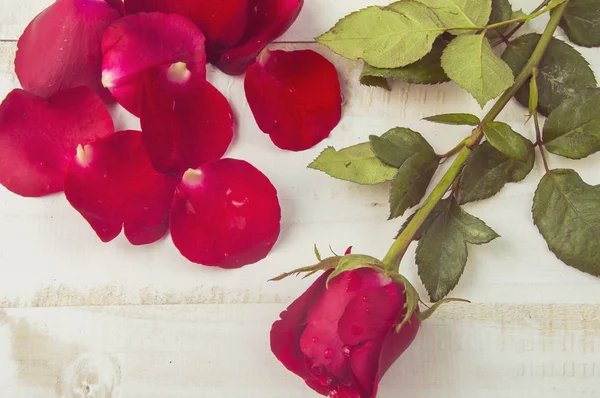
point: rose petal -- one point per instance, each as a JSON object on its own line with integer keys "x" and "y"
{"x": 136, "y": 43}
{"x": 226, "y": 214}
{"x": 364, "y": 364}
{"x": 286, "y": 332}
{"x": 186, "y": 121}
{"x": 39, "y": 137}
{"x": 271, "y": 20}
{"x": 112, "y": 184}
{"x": 223, "y": 21}
{"x": 60, "y": 48}
{"x": 370, "y": 315}
{"x": 396, "y": 343}
{"x": 295, "y": 97}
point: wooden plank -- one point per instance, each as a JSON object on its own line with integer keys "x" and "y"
{"x": 50, "y": 257}
{"x": 486, "y": 351}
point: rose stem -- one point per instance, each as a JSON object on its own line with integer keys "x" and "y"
{"x": 398, "y": 249}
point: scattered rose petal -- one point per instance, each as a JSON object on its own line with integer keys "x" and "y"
{"x": 223, "y": 21}
{"x": 139, "y": 42}
{"x": 270, "y": 20}
{"x": 112, "y": 184}
{"x": 295, "y": 97}
{"x": 185, "y": 120}
{"x": 60, "y": 48}
{"x": 39, "y": 137}
{"x": 226, "y": 214}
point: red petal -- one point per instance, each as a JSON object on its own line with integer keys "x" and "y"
{"x": 364, "y": 363}
{"x": 321, "y": 340}
{"x": 368, "y": 318}
{"x": 370, "y": 315}
{"x": 226, "y": 214}
{"x": 186, "y": 121}
{"x": 396, "y": 343}
{"x": 112, "y": 184}
{"x": 272, "y": 19}
{"x": 60, "y": 48}
{"x": 138, "y": 42}
{"x": 286, "y": 332}
{"x": 295, "y": 97}
{"x": 39, "y": 137}
{"x": 222, "y": 21}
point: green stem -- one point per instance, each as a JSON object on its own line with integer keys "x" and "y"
{"x": 526, "y": 18}
{"x": 398, "y": 249}
{"x": 506, "y": 37}
{"x": 536, "y": 13}
{"x": 538, "y": 142}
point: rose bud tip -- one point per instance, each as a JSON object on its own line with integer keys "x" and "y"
{"x": 193, "y": 177}
{"x": 178, "y": 73}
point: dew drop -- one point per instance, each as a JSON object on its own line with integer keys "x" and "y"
{"x": 368, "y": 311}
{"x": 328, "y": 353}
{"x": 365, "y": 299}
{"x": 333, "y": 394}
{"x": 346, "y": 351}
{"x": 315, "y": 340}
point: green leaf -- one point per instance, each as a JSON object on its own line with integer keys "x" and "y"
{"x": 573, "y": 128}
{"x": 471, "y": 62}
{"x": 502, "y": 137}
{"x": 397, "y": 145}
{"x": 562, "y": 71}
{"x": 455, "y": 118}
{"x": 390, "y": 37}
{"x": 357, "y": 164}
{"x": 427, "y": 70}
{"x": 354, "y": 261}
{"x": 442, "y": 250}
{"x": 501, "y": 11}
{"x": 581, "y": 22}
{"x": 487, "y": 171}
{"x": 566, "y": 211}
{"x": 411, "y": 182}
{"x": 461, "y": 13}
{"x": 371, "y": 80}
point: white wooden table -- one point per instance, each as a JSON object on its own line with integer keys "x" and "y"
{"x": 143, "y": 322}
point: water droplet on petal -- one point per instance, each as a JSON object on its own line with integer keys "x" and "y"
{"x": 328, "y": 353}
{"x": 368, "y": 311}
{"x": 333, "y": 394}
{"x": 315, "y": 340}
{"x": 346, "y": 351}
{"x": 365, "y": 298}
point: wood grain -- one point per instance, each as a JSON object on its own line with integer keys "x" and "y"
{"x": 79, "y": 318}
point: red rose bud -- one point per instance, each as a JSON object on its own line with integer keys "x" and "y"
{"x": 341, "y": 339}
